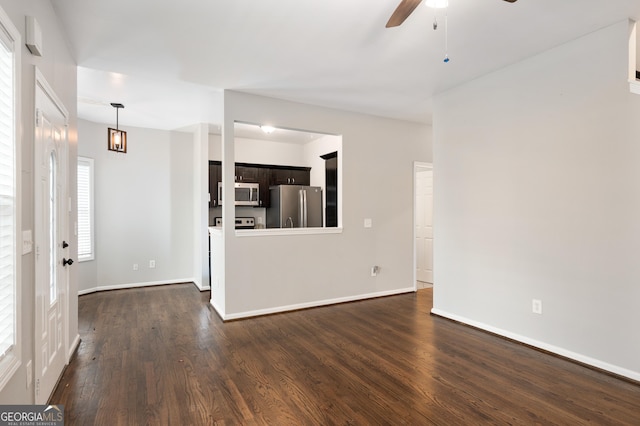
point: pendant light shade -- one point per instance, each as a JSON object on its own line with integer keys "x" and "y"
{"x": 117, "y": 139}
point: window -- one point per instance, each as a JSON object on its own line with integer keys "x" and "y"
{"x": 85, "y": 209}
{"x": 10, "y": 46}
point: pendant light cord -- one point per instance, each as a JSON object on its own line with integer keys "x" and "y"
{"x": 446, "y": 34}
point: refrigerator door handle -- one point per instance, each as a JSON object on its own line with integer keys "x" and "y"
{"x": 300, "y": 208}
{"x": 304, "y": 208}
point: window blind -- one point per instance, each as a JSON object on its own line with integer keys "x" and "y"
{"x": 85, "y": 209}
{"x": 7, "y": 198}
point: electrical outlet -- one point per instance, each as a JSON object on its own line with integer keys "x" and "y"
{"x": 536, "y": 306}
{"x": 152, "y": 264}
{"x": 135, "y": 266}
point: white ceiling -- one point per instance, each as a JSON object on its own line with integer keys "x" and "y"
{"x": 168, "y": 61}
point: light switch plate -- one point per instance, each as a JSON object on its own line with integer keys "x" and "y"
{"x": 27, "y": 241}
{"x": 368, "y": 223}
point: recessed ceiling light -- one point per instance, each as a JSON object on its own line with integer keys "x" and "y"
{"x": 267, "y": 129}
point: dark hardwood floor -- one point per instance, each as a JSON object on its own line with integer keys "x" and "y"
{"x": 161, "y": 356}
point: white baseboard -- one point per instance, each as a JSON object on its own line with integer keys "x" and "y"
{"x": 133, "y": 285}
{"x": 218, "y": 310}
{"x": 73, "y": 347}
{"x": 314, "y": 304}
{"x": 633, "y": 375}
{"x": 200, "y": 287}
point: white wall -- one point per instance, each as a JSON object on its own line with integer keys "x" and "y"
{"x": 58, "y": 68}
{"x": 537, "y": 196}
{"x": 200, "y": 202}
{"x": 303, "y": 270}
{"x": 256, "y": 151}
{"x": 144, "y": 208}
{"x": 268, "y": 152}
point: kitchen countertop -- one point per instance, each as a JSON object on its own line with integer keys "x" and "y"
{"x": 265, "y": 232}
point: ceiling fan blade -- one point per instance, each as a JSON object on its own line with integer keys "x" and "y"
{"x": 402, "y": 12}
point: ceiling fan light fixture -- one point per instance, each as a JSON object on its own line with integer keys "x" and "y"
{"x": 437, "y": 4}
{"x": 406, "y": 7}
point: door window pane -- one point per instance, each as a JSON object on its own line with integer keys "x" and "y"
{"x": 53, "y": 237}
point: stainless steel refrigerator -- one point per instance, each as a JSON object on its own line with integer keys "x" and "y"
{"x": 295, "y": 206}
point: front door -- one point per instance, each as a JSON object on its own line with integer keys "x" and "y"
{"x": 51, "y": 219}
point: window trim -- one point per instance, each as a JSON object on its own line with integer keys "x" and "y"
{"x": 10, "y": 363}
{"x": 91, "y": 163}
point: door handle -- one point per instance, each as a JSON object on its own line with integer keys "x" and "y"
{"x": 65, "y": 244}
{"x": 66, "y": 262}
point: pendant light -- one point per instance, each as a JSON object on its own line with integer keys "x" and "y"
{"x": 117, "y": 139}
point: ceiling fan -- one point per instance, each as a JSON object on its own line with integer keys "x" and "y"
{"x": 405, "y": 8}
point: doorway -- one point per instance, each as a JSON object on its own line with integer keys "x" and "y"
{"x": 51, "y": 238}
{"x": 423, "y": 224}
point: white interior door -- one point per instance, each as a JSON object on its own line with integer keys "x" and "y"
{"x": 424, "y": 225}
{"x": 51, "y": 225}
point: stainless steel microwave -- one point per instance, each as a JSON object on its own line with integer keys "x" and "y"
{"x": 246, "y": 194}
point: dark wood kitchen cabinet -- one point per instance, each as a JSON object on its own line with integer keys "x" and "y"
{"x": 284, "y": 175}
{"x": 263, "y": 174}
{"x": 215, "y": 176}
{"x": 247, "y": 173}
